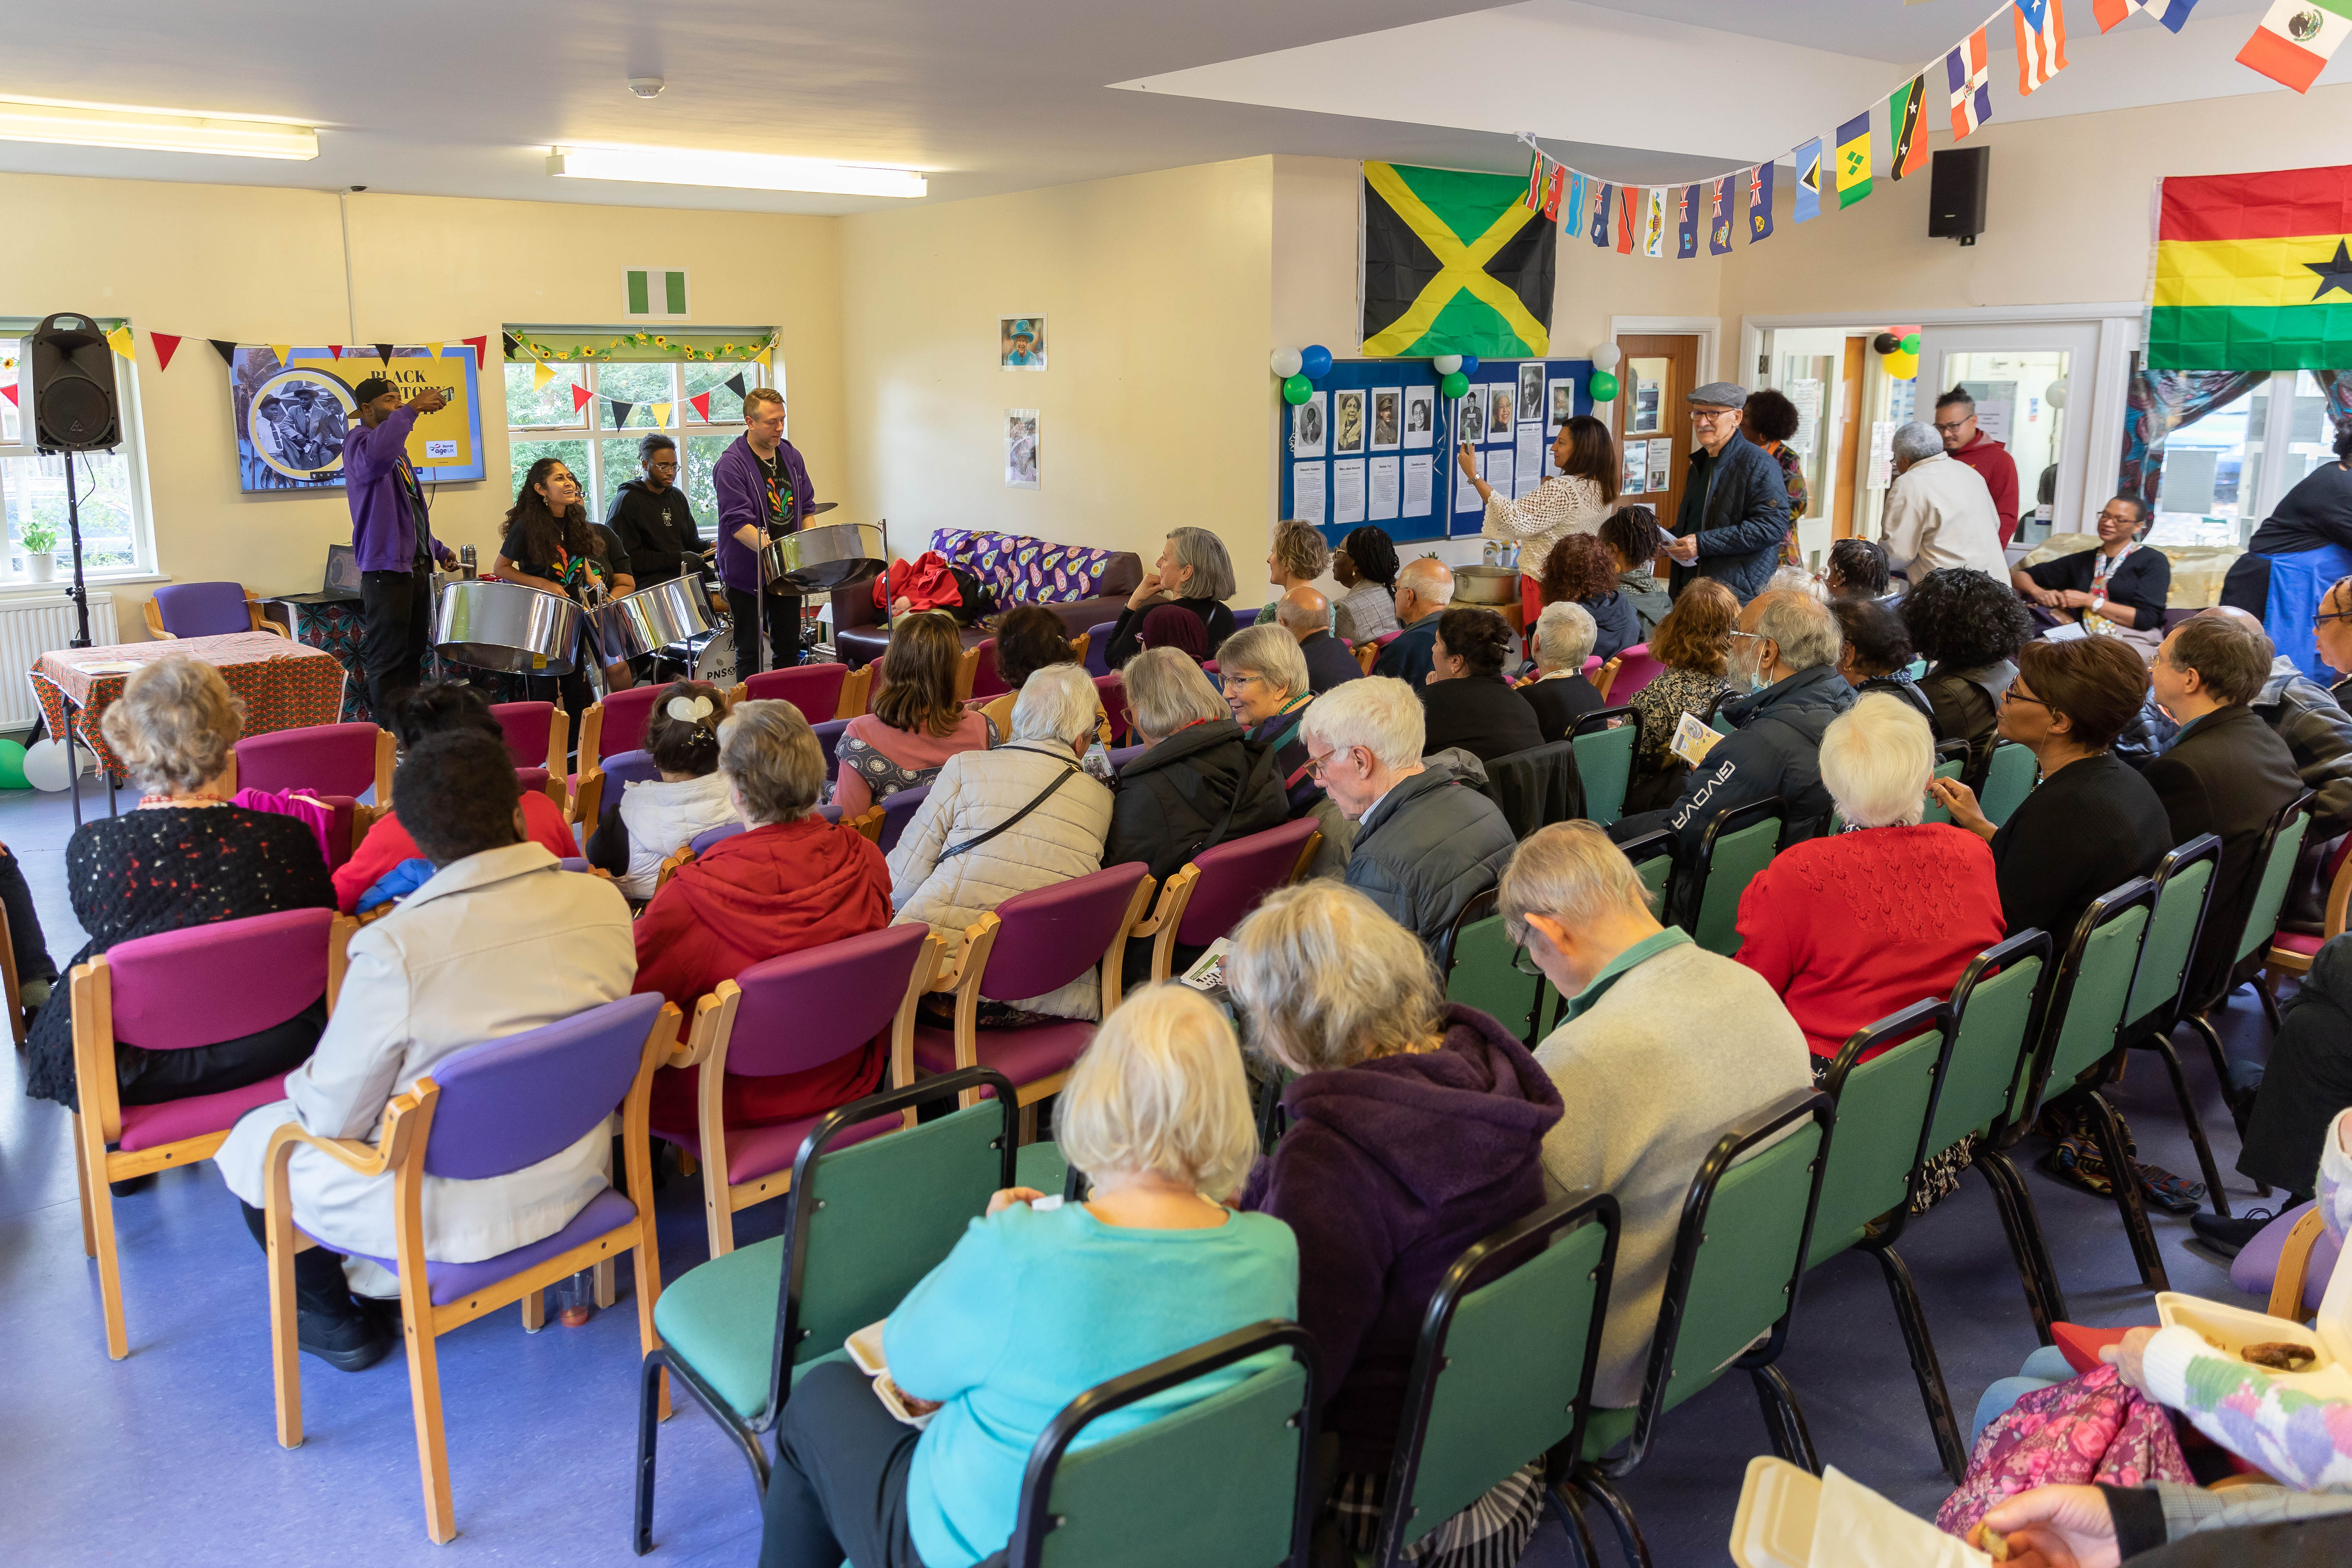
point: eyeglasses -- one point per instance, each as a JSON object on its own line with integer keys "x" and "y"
{"x": 1955, "y": 427}
{"x": 1523, "y": 961}
{"x": 1236, "y": 681}
{"x": 1709, "y": 415}
{"x": 2119, "y": 517}
{"x": 2332, "y": 616}
{"x": 1315, "y": 764}
{"x": 2015, "y": 695}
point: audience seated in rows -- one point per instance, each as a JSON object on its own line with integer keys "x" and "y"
{"x": 658, "y": 818}
{"x": 387, "y": 865}
{"x": 1306, "y": 615}
{"x": 1968, "y": 627}
{"x": 1035, "y": 1305}
{"x": 2092, "y": 824}
{"x": 1631, "y": 536}
{"x": 1194, "y": 573}
{"x": 1427, "y": 841}
{"x": 1857, "y": 570}
{"x": 1850, "y": 928}
{"x": 1265, "y": 676}
{"x": 1415, "y": 1127}
{"x": 1693, "y": 643}
{"x": 2118, "y": 588}
{"x": 1560, "y": 693}
{"x": 1661, "y": 1046}
{"x": 2317, "y": 732}
{"x": 1424, "y": 588}
{"x": 1938, "y": 513}
{"x": 789, "y": 881}
{"x": 1366, "y": 565}
{"x": 917, "y": 723}
{"x": 1296, "y": 557}
{"x": 184, "y": 858}
{"x": 1005, "y": 821}
{"x": 1199, "y": 779}
{"x": 423, "y": 982}
{"x": 1464, "y": 700}
{"x": 1581, "y": 571}
{"x": 1878, "y": 655}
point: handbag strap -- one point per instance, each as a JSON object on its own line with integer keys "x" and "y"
{"x": 976, "y": 840}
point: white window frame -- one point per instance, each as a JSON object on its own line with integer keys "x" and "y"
{"x": 146, "y": 566}
{"x": 681, "y": 426}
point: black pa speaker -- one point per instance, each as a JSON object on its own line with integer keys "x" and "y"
{"x": 74, "y": 407}
{"x": 1956, "y": 194}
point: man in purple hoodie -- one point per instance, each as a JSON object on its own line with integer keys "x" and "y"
{"x": 764, "y": 491}
{"x": 391, "y": 535}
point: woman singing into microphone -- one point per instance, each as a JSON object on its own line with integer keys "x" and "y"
{"x": 551, "y": 546}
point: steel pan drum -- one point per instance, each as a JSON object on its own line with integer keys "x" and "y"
{"x": 505, "y": 625}
{"x": 651, "y": 618}
{"x": 819, "y": 559}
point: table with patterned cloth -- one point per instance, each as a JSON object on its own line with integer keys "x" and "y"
{"x": 285, "y": 684}
{"x": 336, "y": 628}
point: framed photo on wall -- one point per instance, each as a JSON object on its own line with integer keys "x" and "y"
{"x": 1021, "y": 342}
{"x": 1021, "y": 448}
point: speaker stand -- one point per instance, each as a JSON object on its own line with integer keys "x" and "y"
{"x": 79, "y": 594}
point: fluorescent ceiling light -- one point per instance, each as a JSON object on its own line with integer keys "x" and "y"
{"x": 152, "y": 130}
{"x": 744, "y": 171}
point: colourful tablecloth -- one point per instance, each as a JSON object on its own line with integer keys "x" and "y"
{"x": 285, "y": 684}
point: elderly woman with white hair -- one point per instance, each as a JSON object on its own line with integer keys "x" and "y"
{"x": 1269, "y": 687}
{"x": 1559, "y": 694}
{"x": 1194, "y": 573}
{"x": 1199, "y": 781}
{"x": 1851, "y": 927}
{"x": 1010, "y": 820}
{"x": 1042, "y": 1299}
{"x": 1416, "y": 1130}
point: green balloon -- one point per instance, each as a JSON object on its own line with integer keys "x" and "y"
{"x": 1455, "y": 386}
{"x": 1296, "y": 389}
{"x": 12, "y": 766}
{"x": 1910, "y": 342}
{"x": 1603, "y": 386}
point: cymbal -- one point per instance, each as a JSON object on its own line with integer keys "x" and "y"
{"x": 815, "y": 507}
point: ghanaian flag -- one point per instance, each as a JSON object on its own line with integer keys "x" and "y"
{"x": 1454, "y": 263}
{"x": 2253, "y": 272}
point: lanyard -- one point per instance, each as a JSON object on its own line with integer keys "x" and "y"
{"x": 2104, "y": 566}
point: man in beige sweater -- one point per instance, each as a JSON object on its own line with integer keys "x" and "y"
{"x": 1661, "y": 1045}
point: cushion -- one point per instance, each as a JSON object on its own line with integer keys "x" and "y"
{"x": 2297, "y": 941}
{"x": 720, "y": 1318}
{"x": 1019, "y": 569}
{"x": 153, "y": 1126}
{"x": 760, "y": 1150}
{"x": 606, "y": 1211}
{"x": 1025, "y": 1055}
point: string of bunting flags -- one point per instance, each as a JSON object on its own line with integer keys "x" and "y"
{"x": 542, "y": 372}
{"x": 2294, "y": 41}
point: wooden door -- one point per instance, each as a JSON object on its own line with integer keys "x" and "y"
{"x": 1845, "y": 461}
{"x": 1655, "y": 374}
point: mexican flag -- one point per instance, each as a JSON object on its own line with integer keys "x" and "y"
{"x": 1454, "y": 263}
{"x": 2296, "y": 39}
{"x": 2253, "y": 272}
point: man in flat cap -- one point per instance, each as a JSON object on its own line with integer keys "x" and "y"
{"x": 392, "y": 536}
{"x": 1735, "y": 509}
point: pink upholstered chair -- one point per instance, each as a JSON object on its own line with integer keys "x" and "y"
{"x": 1207, "y": 899}
{"x": 484, "y": 1112}
{"x": 1031, "y": 945}
{"x": 319, "y": 759}
{"x": 985, "y": 681}
{"x": 813, "y": 689}
{"x": 539, "y": 734}
{"x": 175, "y": 991}
{"x": 1111, "y": 691}
{"x": 1636, "y": 668}
{"x": 788, "y": 1015}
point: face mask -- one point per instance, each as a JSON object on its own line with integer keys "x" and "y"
{"x": 1743, "y": 668}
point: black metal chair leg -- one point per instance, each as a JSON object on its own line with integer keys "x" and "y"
{"x": 1941, "y": 1419}
{"x": 2036, "y": 1275}
{"x": 1795, "y": 1443}
{"x": 1562, "y": 1497}
{"x": 2212, "y": 1173}
{"x": 641, "y": 1539}
{"x": 2270, "y": 1002}
{"x": 2197, "y": 1021}
{"x": 1620, "y": 1516}
{"x": 2125, "y": 1181}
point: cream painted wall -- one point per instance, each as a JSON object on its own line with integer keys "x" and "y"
{"x": 261, "y": 265}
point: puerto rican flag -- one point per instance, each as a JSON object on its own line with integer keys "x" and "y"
{"x": 1966, "y": 69}
{"x": 2041, "y": 41}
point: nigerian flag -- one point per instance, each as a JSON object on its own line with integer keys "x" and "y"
{"x": 1454, "y": 263}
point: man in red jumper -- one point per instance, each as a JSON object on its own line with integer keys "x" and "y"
{"x": 1956, "y": 422}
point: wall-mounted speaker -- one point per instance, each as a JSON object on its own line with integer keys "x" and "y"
{"x": 1956, "y": 194}
{"x": 74, "y": 407}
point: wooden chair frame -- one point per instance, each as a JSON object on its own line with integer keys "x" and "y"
{"x": 1606, "y": 675}
{"x": 856, "y": 691}
{"x": 967, "y": 672}
{"x": 400, "y": 1149}
{"x": 2295, "y": 1268}
{"x": 706, "y": 1047}
{"x": 16, "y": 997}
{"x": 670, "y": 867}
{"x": 2285, "y": 960}
{"x": 98, "y": 1122}
{"x": 261, "y": 623}
{"x": 1176, "y": 895}
{"x": 1367, "y": 654}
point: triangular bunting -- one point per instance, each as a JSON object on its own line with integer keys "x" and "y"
{"x": 281, "y": 351}
{"x": 507, "y": 341}
{"x": 701, "y": 407}
{"x": 541, "y": 374}
{"x": 621, "y": 412}
{"x": 123, "y": 343}
{"x": 166, "y": 345}
{"x": 579, "y": 396}
{"x": 384, "y": 353}
{"x": 227, "y": 350}
{"x": 734, "y": 383}
{"x": 433, "y": 350}
{"x": 8, "y": 391}
{"x": 481, "y": 347}
{"x": 336, "y": 349}
{"x": 661, "y": 415}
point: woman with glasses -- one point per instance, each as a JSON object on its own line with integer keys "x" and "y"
{"x": 2092, "y": 824}
{"x": 2117, "y": 589}
{"x": 1268, "y": 687}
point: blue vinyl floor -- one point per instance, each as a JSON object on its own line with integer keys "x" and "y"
{"x": 168, "y": 1457}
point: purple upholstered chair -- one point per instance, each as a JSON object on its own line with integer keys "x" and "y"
{"x": 898, "y": 810}
{"x": 335, "y": 759}
{"x": 813, "y": 689}
{"x": 710, "y": 835}
{"x": 489, "y": 1111}
{"x": 1099, "y": 649}
{"x": 1033, "y": 943}
{"x": 1120, "y": 756}
{"x": 1208, "y": 898}
{"x": 172, "y": 992}
{"x": 204, "y": 610}
{"x": 828, "y": 736}
{"x": 787, "y": 1014}
{"x": 1110, "y": 691}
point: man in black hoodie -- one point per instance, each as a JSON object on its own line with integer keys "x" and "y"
{"x": 653, "y": 520}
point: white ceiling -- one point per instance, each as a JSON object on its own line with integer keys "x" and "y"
{"x": 465, "y": 96}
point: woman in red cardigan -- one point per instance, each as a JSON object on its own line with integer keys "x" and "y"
{"x": 790, "y": 881}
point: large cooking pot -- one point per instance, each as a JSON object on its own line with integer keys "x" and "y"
{"x": 506, "y": 626}
{"x": 1493, "y": 585}
{"x": 651, "y": 619}
{"x": 819, "y": 559}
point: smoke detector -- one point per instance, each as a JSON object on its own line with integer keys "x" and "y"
{"x": 646, "y": 86}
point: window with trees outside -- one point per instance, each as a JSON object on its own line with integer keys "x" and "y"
{"x": 115, "y": 535}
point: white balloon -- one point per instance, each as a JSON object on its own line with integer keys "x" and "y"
{"x": 45, "y": 766}
{"x": 2056, "y": 394}
{"x": 1446, "y": 364}
{"x": 1604, "y": 356}
{"x": 1286, "y": 362}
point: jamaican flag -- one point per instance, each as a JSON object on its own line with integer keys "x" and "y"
{"x": 1454, "y": 263}
{"x": 2252, "y": 272}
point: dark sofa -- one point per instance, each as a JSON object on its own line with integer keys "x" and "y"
{"x": 1083, "y": 585}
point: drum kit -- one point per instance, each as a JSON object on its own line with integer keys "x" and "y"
{"x": 510, "y": 627}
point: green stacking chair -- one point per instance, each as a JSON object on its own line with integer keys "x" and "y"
{"x": 2281, "y": 843}
{"x": 1737, "y": 1265}
{"x": 2184, "y": 894}
{"x": 870, "y": 1217}
{"x": 1738, "y": 843}
{"x": 1655, "y": 856}
{"x": 1714, "y": 719}
{"x": 1951, "y": 760}
{"x": 1606, "y": 743}
{"x": 1482, "y": 969}
{"x": 2010, "y": 775}
{"x": 1504, "y": 1370}
{"x": 1229, "y": 1478}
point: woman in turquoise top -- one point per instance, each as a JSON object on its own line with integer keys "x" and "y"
{"x": 1042, "y": 1300}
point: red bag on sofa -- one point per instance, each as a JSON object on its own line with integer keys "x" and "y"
{"x": 929, "y": 584}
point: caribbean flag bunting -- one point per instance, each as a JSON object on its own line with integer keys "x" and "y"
{"x": 1454, "y": 263}
{"x": 2253, "y": 272}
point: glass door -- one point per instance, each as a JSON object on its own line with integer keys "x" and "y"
{"x": 2029, "y": 379}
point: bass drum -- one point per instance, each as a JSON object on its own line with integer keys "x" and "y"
{"x": 714, "y": 661}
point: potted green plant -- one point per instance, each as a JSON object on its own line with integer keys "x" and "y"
{"x": 40, "y": 541}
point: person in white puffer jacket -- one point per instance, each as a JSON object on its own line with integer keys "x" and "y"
{"x": 658, "y": 817}
{"x": 976, "y": 792}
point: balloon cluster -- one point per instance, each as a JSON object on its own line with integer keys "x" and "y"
{"x": 1603, "y": 386}
{"x": 1901, "y": 353}
{"x": 1298, "y": 368}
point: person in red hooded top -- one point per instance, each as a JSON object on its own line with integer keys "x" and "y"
{"x": 790, "y": 881}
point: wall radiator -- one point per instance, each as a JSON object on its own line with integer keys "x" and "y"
{"x": 30, "y": 628}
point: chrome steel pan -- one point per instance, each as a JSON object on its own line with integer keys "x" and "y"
{"x": 818, "y": 560}
{"x": 651, "y": 618}
{"x": 505, "y": 625}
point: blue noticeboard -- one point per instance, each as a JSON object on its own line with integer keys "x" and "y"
{"x": 1382, "y": 407}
